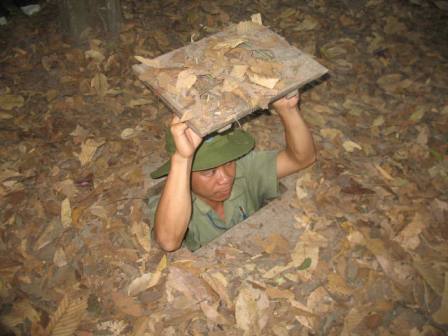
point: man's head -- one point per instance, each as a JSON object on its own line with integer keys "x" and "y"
{"x": 215, "y": 151}
{"x": 214, "y": 184}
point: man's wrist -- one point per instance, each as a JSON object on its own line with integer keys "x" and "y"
{"x": 178, "y": 158}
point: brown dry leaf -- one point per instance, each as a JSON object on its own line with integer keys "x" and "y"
{"x": 59, "y": 257}
{"x": 65, "y": 320}
{"x": 66, "y": 213}
{"x": 96, "y": 55}
{"x": 99, "y": 84}
{"x": 431, "y": 275}
{"x": 147, "y": 280}
{"x": 319, "y": 302}
{"x": 350, "y": 146}
{"x": 309, "y": 23}
{"x": 88, "y": 150}
{"x": 307, "y": 248}
{"x": 212, "y": 314}
{"x": 218, "y": 282}
{"x": 80, "y": 133}
{"x": 20, "y": 311}
{"x": 229, "y": 85}
{"x": 138, "y": 102}
{"x": 408, "y": 238}
{"x": 139, "y": 228}
{"x": 127, "y": 304}
{"x": 153, "y": 63}
{"x": 238, "y": 71}
{"x": 394, "y": 26}
{"x": 128, "y": 133}
{"x": 441, "y": 315}
{"x": 338, "y": 286}
{"x": 256, "y": 18}
{"x": 354, "y": 317}
{"x": 8, "y": 102}
{"x": 263, "y": 81}
{"x": 275, "y": 243}
{"x": 331, "y": 133}
{"x": 185, "y": 80}
{"x": 383, "y": 172}
{"x": 229, "y": 44}
{"x": 252, "y": 309}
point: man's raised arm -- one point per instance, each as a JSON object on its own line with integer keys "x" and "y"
{"x": 174, "y": 209}
{"x": 299, "y": 151}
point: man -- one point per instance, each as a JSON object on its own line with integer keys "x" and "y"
{"x": 214, "y": 184}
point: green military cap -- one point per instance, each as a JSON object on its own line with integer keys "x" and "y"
{"x": 215, "y": 150}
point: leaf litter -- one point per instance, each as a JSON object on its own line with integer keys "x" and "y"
{"x": 77, "y": 147}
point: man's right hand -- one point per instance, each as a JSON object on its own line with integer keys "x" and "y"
{"x": 185, "y": 139}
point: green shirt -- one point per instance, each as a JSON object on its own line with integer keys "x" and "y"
{"x": 255, "y": 182}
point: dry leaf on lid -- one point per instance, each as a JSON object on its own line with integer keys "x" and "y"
{"x": 263, "y": 81}
{"x": 218, "y": 282}
{"x": 238, "y": 71}
{"x": 229, "y": 44}
{"x": 153, "y": 63}
{"x": 147, "y": 280}
{"x": 185, "y": 80}
{"x": 252, "y": 309}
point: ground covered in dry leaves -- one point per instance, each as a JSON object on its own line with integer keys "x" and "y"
{"x": 79, "y": 135}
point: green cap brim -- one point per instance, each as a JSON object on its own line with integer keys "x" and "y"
{"x": 215, "y": 151}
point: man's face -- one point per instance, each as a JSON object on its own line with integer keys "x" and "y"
{"x": 214, "y": 184}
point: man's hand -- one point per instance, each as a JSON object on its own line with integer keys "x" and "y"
{"x": 285, "y": 104}
{"x": 185, "y": 139}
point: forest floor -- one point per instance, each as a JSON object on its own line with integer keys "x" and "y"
{"x": 79, "y": 134}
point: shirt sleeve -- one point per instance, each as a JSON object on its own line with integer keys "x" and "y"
{"x": 260, "y": 171}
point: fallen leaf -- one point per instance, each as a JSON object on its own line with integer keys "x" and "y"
{"x": 88, "y": 150}
{"x": 128, "y": 133}
{"x": 65, "y": 320}
{"x": 408, "y": 238}
{"x": 96, "y": 55}
{"x": 59, "y": 257}
{"x": 441, "y": 315}
{"x": 8, "y": 102}
{"x": 256, "y": 18}
{"x": 127, "y": 304}
{"x": 66, "y": 213}
{"x": 99, "y": 84}
{"x": 350, "y": 146}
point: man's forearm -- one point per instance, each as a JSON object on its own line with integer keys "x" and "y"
{"x": 174, "y": 208}
{"x": 299, "y": 151}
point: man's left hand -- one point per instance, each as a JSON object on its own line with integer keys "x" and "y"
{"x": 286, "y": 104}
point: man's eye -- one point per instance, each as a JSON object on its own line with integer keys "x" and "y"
{"x": 208, "y": 172}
